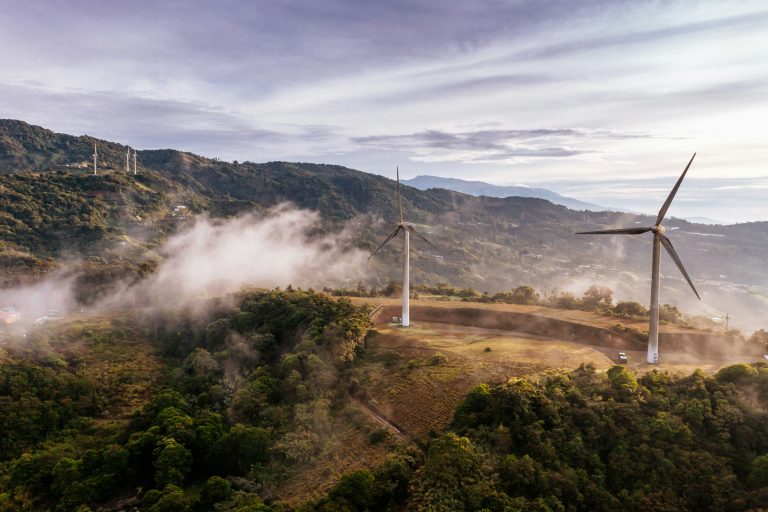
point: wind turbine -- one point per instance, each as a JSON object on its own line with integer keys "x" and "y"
{"x": 659, "y": 239}
{"x": 407, "y": 228}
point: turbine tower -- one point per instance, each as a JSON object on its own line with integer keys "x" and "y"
{"x": 95, "y": 156}
{"x": 659, "y": 239}
{"x": 407, "y": 228}
{"x": 128, "y": 161}
{"x": 134, "y": 162}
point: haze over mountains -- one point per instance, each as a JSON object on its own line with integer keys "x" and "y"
{"x": 56, "y": 210}
{"x": 480, "y": 188}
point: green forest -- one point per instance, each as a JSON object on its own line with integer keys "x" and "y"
{"x": 214, "y": 411}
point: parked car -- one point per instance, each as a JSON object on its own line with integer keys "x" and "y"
{"x": 9, "y": 315}
{"x": 622, "y": 358}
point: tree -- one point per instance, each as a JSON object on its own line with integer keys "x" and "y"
{"x": 354, "y": 490}
{"x": 173, "y": 463}
{"x": 758, "y": 472}
{"x": 238, "y": 450}
{"x": 622, "y": 380}
{"x": 172, "y": 500}
{"x": 565, "y": 300}
{"x": 670, "y": 314}
{"x": 630, "y": 309}
{"x": 760, "y": 337}
{"x": 526, "y": 295}
{"x": 393, "y": 289}
{"x": 216, "y": 489}
{"x": 448, "y": 479}
{"x": 597, "y": 297}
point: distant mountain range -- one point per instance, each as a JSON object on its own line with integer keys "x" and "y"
{"x": 481, "y": 188}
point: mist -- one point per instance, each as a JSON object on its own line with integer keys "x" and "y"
{"x": 35, "y": 299}
{"x": 213, "y": 257}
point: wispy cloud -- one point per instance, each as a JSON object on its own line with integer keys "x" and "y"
{"x": 156, "y": 123}
{"x": 500, "y": 145}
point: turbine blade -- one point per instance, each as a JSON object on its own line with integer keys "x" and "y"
{"x": 390, "y": 237}
{"x": 413, "y": 230}
{"x": 668, "y": 202}
{"x": 399, "y": 199}
{"x": 621, "y": 231}
{"x": 671, "y": 250}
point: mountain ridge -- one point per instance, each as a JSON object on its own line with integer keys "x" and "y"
{"x": 487, "y": 243}
{"x": 481, "y": 188}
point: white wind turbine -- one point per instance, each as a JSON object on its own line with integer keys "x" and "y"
{"x": 407, "y": 228}
{"x": 658, "y": 240}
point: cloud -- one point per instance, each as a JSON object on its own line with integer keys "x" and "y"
{"x": 151, "y": 123}
{"x": 214, "y": 258}
{"x": 676, "y": 29}
{"x": 460, "y": 87}
{"x": 497, "y": 145}
{"x": 219, "y": 257}
{"x": 54, "y": 292}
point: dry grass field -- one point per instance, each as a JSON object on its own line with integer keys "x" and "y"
{"x": 418, "y": 375}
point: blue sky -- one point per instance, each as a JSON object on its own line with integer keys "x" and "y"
{"x": 603, "y": 100}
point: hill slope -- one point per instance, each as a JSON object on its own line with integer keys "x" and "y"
{"x": 487, "y": 243}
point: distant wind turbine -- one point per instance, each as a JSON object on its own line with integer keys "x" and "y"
{"x": 658, "y": 240}
{"x": 95, "y": 156}
{"x": 407, "y": 228}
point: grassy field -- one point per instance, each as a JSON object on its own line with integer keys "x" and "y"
{"x": 416, "y": 376}
{"x": 572, "y": 315}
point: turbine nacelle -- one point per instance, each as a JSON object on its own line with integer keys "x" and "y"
{"x": 406, "y": 227}
{"x": 659, "y": 230}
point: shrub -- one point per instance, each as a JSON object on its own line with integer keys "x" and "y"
{"x": 216, "y": 489}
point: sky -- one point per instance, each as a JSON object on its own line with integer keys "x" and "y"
{"x": 602, "y": 100}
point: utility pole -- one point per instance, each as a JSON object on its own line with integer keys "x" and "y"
{"x": 95, "y": 156}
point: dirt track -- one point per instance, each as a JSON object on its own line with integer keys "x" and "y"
{"x": 577, "y": 326}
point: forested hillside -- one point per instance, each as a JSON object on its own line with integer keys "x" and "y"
{"x": 593, "y": 442}
{"x": 95, "y": 413}
{"x": 244, "y": 407}
{"x": 56, "y": 211}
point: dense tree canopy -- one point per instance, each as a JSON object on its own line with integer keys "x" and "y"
{"x": 591, "y": 441}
